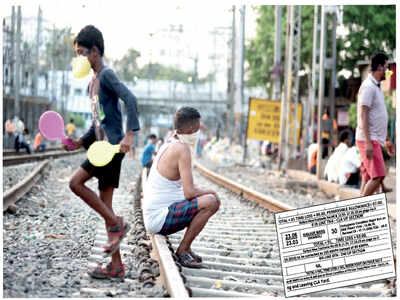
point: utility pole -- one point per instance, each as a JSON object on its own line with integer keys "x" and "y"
{"x": 288, "y": 141}
{"x": 333, "y": 75}
{"x": 296, "y": 48}
{"x": 229, "y": 118}
{"x": 12, "y": 52}
{"x": 282, "y": 151}
{"x": 53, "y": 92}
{"x": 321, "y": 89}
{"x": 277, "y": 52}
{"x": 36, "y": 68}
{"x": 18, "y": 65}
{"x": 314, "y": 76}
{"x": 239, "y": 79}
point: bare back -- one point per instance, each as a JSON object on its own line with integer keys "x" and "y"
{"x": 168, "y": 163}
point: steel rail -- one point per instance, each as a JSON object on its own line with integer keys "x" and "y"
{"x": 169, "y": 272}
{"x": 19, "y": 159}
{"x": 20, "y": 189}
{"x": 247, "y": 193}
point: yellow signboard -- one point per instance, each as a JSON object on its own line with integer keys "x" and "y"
{"x": 264, "y": 120}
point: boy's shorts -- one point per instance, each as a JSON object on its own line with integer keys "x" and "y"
{"x": 371, "y": 169}
{"x": 179, "y": 216}
{"x": 107, "y": 175}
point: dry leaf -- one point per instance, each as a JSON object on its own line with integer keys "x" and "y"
{"x": 53, "y": 236}
{"x": 217, "y": 284}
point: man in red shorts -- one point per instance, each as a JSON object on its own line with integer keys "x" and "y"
{"x": 372, "y": 122}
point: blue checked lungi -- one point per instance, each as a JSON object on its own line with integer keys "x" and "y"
{"x": 179, "y": 216}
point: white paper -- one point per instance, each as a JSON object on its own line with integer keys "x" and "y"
{"x": 335, "y": 245}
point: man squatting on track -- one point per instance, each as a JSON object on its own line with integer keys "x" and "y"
{"x": 171, "y": 200}
{"x": 372, "y": 124}
{"x": 105, "y": 89}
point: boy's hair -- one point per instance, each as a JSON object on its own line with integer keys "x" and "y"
{"x": 26, "y": 131}
{"x": 90, "y": 36}
{"x": 377, "y": 59}
{"x": 185, "y": 116}
{"x": 343, "y": 136}
{"x": 71, "y": 120}
{"x": 152, "y": 136}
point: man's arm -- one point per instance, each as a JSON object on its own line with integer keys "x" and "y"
{"x": 185, "y": 170}
{"x": 365, "y": 130}
{"x": 115, "y": 85}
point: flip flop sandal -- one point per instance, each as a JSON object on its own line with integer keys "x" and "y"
{"x": 186, "y": 260}
{"x": 120, "y": 231}
{"x": 195, "y": 256}
{"x": 108, "y": 272}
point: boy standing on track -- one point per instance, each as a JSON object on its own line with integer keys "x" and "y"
{"x": 171, "y": 200}
{"x": 105, "y": 89}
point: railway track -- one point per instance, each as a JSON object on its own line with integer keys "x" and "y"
{"x": 9, "y": 152}
{"x": 10, "y": 160}
{"x": 239, "y": 249}
{"x": 12, "y": 195}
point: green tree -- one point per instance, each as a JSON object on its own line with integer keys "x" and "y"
{"x": 59, "y": 50}
{"x": 127, "y": 68}
{"x": 371, "y": 28}
{"x": 260, "y": 51}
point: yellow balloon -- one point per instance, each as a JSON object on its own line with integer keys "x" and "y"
{"x": 388, "y": 73}
{"x": 80, "y": 66}
{"x": 101, "y": 153}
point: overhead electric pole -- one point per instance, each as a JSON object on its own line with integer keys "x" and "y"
{"x": 282, "y": 150}
{"x": 321, "y": 89}
{"x": 36, "y": 68}
{"x": 12, "y": 51}
{"x": 315, "y": 71}
{"x": 239, "y": 95}
{"x": 292, "y": 66}
{"x": 333, "y": 75}
{"x": 18, "y": 65}
{"x": 277, "y": 52}
{"x": 230, "y": 119}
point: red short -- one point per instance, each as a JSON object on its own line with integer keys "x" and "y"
{"x": 371, "y": 169}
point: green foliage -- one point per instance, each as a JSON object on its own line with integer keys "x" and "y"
{"x": 353, "y": 115}
{"x": 371, "y": 28}
{"x": 260, "y": 51}
{"x": 127, "y": 68}
{"x": 79, "y": 121}
{"x": 59, "y": 50}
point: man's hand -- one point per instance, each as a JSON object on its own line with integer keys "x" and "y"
{"x": 77, "y": 144}
{"x": 390, "y": 148}
{"x": 369, "y": 150}
{"x": 125, "y": 144}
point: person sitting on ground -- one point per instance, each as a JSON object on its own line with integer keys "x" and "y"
{"x": 149, "y": 150}
{"x": 312, "y": 158}
{"x": 171, "y": 200}
{"x": 332, "y": 167}
{"x": 349, "y": 167}
{"x": 39, "y": 144}
{"x": 21, "y": 141}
